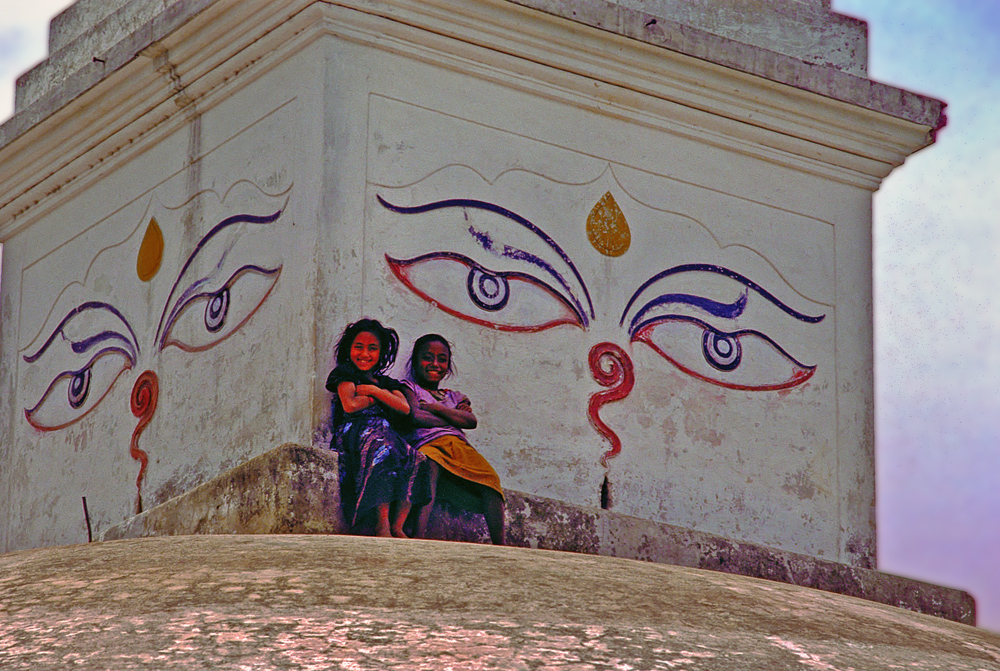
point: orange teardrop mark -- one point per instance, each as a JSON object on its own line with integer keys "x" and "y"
{"x": 150, "y": 252}
{"x": 607, "y": 228}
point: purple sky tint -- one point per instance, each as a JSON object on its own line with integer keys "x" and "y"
{"x": 937, "y": 266}
{"x": 937, "y": 269}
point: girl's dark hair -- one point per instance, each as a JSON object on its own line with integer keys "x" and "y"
{"x": 422, "y": 342}
{"x": 388, "y": 343}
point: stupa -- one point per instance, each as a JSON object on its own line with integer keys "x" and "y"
{"x": 645, "y": 227}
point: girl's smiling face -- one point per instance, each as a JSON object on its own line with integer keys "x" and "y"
{"x": 433, "y": 364}
{"x": 365, "y": 351}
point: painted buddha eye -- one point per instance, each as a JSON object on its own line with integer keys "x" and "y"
{"x": 73, "y": 394}
{"x": 79, "y": 387}
{"x": 216, "y": 311}
{"x": 503, "y": 300}
{"x": 744, "y": 359}
{"x": 487, "y": 290}
{"x": 722, "y": 351}
{"x": 204, "y": 319}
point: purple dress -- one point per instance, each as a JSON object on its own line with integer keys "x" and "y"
{"x": 376, "y": 465}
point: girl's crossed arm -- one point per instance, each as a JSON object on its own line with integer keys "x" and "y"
{"x": 358, "y": 397}
{"x": 422, "y": 417}
{"x": 461, "y": 417}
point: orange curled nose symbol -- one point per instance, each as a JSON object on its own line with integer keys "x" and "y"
{"x": 143, "y": 403}
{"x": 611, "y": 367}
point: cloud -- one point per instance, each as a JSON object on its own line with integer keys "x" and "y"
{"x": 23, "y": 42}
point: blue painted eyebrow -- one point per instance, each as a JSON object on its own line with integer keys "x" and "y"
{"x": 87, "y": 343}
{"x": 714, "y": 308}
{"x": 504, "y": 212}
{"x": 719, "y": 270}
{"x": 509, "y": 252}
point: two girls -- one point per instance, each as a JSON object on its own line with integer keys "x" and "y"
{"x": 381, "y": 473}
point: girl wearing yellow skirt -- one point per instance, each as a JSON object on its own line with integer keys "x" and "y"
{"x": 439, "y": 416}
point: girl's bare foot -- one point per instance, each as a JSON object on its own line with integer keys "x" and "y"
{"x": 382, "y": 528}
{"x": 402, "y": 512}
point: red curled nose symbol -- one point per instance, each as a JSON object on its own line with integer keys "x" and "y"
{"x": 143, "y": 404}
{"x": 611, "y": 367}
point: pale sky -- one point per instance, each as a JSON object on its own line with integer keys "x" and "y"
{"x": 937, "y": 274}
{"x": 937, "y": 317}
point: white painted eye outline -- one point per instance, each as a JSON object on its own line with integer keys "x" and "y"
{"x": 203, "y": 320}
{"x": 74, "y": 393}
{"x": 98, "y": 329}
{"x": 745, "y": 359}
{"x": 212, "y": 252}
{"x": 203, "y": 313}
{"x": 490, "y": 291}
{"x": 501, "y": 300}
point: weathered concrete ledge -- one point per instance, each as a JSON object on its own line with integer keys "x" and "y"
{"x": 828, "y": 80}
{"x": 90, "y": 42}
{"x": 293, "y": 489}
{"x": 327, "y": 602}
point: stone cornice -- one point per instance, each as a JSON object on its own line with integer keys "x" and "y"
{"x": 149, "y": 80}
{"x": 824, "y": 80}
{"x": 743, "y": 109}
{"x": 153, "y": 81}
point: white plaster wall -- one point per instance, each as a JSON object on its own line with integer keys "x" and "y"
{"x": 762, "y": 465}
{"x": 223, "y": 396}
{"x": 776, "y": 450}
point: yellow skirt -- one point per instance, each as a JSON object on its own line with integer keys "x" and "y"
{"x": 462, "y": 460}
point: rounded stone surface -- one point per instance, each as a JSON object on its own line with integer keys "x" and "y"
{"x": 341, "y": 602}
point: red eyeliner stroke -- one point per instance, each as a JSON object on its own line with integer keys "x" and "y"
{"x": 800, "y": 374}
{"x": 399, "y": 269}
